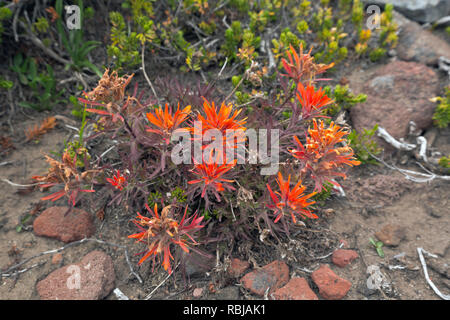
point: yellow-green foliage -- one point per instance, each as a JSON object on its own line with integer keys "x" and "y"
{"x": 445, "y": 162}
{"x": 41, "y": 25}
{"x": 441, "y": 115}
{"x": 5, "y": 14}
{"x": 363, "y": 145}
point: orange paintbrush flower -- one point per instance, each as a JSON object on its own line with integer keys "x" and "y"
{"x": 313, "y": 102}
{"x": 166, "y": 122}
{"x": 301, "y": 66}
{"x": 322, "y": 157}
{"x": 162, "y": 230}
{"x": 223, "y": 119}
{"x": 290, "y": 201}
{"x": 211, "y": 176}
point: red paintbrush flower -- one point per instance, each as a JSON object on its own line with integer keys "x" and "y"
{"x": 290, "y": 201}
{"x": 322, "y": 157}
{"x": 118, "y": 181}
{"x": 313, "y": 102}
{"x": 161, "y": 231}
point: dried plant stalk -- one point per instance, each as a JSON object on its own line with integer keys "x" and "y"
{"x": 36, "y": 131}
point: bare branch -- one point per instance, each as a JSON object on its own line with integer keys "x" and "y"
{"x": 382, "y": 133}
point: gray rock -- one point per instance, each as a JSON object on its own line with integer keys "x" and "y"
{"x": 423, "y": 11}
{"x": 417, "y": 44}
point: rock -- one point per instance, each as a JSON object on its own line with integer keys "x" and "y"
{"x": 331, "y": 286}
{"x": 91, "y": 279}
{"x": 417, "y": 44}
{"x": 391, "y": 235}
{"x": 274, "y": 275}
{"x": 396, "y": 94}
{"x": 295, "y": 289}
{"x": 197, "y": 292}
{"x": 54, "y": 223}
{"x": 342, "y": 257}
{"x": 198, "y": 264}
{"x": 57, "y": 258}
{"x": 418, "y": 10}
{"x": 237, "y": 267}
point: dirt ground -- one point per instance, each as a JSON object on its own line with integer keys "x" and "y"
{"x": 376, "y": 196}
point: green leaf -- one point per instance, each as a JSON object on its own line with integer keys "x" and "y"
{"x": 380, "y": 252}
{"x": 18, "y": 60}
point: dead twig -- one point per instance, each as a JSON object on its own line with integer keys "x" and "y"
{"x": 162, "y": 282}
{"x": 145, "y": 73}
{"x": 420, "y": 251}
{"x": 19, "y": 185}
{"x": 38, "y": 43}
{"x": 412, "y": 175}
{"x": 13, "y": 274}
{"x": 382, "y": 133}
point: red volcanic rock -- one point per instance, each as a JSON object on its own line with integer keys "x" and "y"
{"x": 237, "y": 267}
{"x": 397, "y": 93}
{"x": 296, "y": 289}
{"x": 331, "y": 286}
{"x": 55, "y": 223}
{"x": 342, "y": 257}
{"x": 274, "y": 275}
{"x": 91, "y": 279}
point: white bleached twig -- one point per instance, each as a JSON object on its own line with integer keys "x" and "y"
{"x": 382, "y": 133}
{"x": 412, "y": 175}
{"x": 425, "y": 272}
{"x": 422, "y": 142}
{"x": 20, "y": 185}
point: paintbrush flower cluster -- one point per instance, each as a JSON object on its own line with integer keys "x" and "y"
{"x": 161, "y": 231}
{"x": 183, "y": 149}
{"x": 326, "y": 150}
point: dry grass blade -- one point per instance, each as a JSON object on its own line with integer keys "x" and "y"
{"x": 46, "y": 125}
